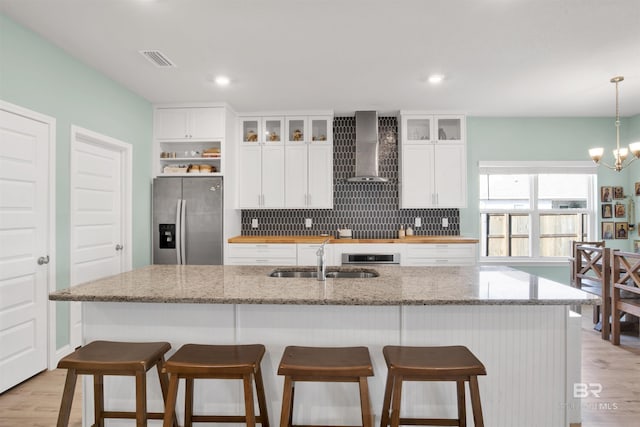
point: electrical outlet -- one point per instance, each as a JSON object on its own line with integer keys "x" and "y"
{"x": 417, "y": 222}
{"x": 254, "y": 223}
{"x": 445, "y": 222}
{"x": 308, "y": 222}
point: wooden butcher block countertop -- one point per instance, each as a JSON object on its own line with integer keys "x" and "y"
{"x": 333, "y": 240}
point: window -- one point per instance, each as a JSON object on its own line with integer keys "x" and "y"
{"x": 535, "y": 209}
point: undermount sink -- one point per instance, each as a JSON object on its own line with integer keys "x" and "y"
{"x": 362, "y": 273}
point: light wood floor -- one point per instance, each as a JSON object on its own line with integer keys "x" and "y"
{"x": 35, "y": 402}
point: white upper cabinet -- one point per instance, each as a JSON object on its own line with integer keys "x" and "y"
{"x": 261, "y": 176}
{"x": 309, "y": 176}
{"x": 321, "y": 129}
{"x": 205, "y": 123}
{"x": 261, "y": 130}
{"x": 309, "y": 162}
{"x": 189, "y": 140}
{"x": 295, "y": 170}
{"x": 433, "y": 161}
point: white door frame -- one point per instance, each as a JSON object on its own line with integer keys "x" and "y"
{"x": 52, "y": 357}
{"x": 126, "y": 150}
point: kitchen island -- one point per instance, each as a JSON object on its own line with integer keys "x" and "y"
{"x": 518, "y": 324}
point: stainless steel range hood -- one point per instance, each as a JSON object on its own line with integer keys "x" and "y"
{"x": 367, "y": 148}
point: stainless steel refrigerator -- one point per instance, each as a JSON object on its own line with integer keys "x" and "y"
{"x": 187, "y": 220}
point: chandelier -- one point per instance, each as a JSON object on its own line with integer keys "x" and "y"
{"x": 619, "y": 154}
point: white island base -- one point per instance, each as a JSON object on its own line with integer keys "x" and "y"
{"x": 531, "y": 353}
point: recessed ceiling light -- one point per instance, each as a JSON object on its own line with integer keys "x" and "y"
{"x": 222, "y": 80}
{"x": 435, "y": 79}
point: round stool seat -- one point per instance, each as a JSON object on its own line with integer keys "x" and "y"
{"x": 326, "y": 361}
{"x": 433, "y": 361}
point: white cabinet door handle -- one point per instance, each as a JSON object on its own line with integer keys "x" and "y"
{"x": 43, "y": 260}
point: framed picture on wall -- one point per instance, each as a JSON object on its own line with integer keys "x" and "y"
{"x": 607, "y": 230}
{"x": 618, "y": 193}
{"x": 622, "y": 230}
{"x": 620, "y": 210}
{"x": 607, "y": 211}
{"x": 605, "y": 194}
{"x": 636, "y": 246}
{"x": 637, "y": 188}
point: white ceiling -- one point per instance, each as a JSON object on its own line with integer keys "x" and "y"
{"x": 501, "y": 57}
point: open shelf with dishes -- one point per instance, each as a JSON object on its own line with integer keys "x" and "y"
{"x": 190, "y": 158}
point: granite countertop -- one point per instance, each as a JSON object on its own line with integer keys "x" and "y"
{"x": 333, "y": 240}
{"x": 395, "y": 286}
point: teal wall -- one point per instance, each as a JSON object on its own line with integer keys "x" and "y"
{"x": 39, "y": 76}
{"x": 521, "y": 139}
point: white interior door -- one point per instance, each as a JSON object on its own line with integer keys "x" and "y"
{"x": 99, "y": 246}
{"x": 24, "y": 233}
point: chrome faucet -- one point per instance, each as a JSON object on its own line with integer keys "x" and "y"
{"x": 322, "y": 265}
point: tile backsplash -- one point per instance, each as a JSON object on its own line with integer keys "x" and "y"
{"x": 371, "y": 210}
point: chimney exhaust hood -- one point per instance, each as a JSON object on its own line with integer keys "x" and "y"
{"x": 367, "y": 148}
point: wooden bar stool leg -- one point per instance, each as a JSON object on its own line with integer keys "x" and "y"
{"x": 475, "y": 402}
{"x": 98, "y": 400}
{"x": 287, "y": 397}
{"x": 397, "y": 397}
{"x": 164, "y": 386}
{"x": 141, "y": 399}
{"x": 462, "y": 408}
{"x": 170, "y": 405}
{"x": 250, "y": 417}
{"x": 262, "y": 403}
{"x": 293, "y": 398}
{"x": 365, "y": 403}
{"x": 384, "y": 420}
{"x": 188, "y": 402}
{"x": 67, "y": 398}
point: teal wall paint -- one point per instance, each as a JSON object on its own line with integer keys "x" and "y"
{"x": 37, "y": 75}
{"x": 521, "y": 139}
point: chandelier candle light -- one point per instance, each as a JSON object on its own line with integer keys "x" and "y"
{"x": 620, "y": 154}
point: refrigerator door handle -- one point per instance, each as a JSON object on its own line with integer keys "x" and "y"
{"x": 178, "y": 232}
{"x": 183, "y": 244}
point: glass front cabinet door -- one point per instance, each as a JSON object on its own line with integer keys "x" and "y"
{"x": 272, "y": 128}
{"x": 250, "y": 130}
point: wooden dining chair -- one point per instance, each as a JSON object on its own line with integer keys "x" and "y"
{"x": 625, "y": 277}
{"x": 592, "y": 273}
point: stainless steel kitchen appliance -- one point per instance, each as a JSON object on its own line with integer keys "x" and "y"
{"x": 371, "y": 259}
{"x": 187, "y": 220}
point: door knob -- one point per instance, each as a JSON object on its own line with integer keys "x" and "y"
{"x": 119, "y": 247}
{"x": 43, "y": 260}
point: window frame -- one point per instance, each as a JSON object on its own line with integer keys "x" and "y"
{"x": 533, "y": 169}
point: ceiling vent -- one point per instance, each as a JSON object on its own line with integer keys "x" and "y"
{"x": 157, "y": 58}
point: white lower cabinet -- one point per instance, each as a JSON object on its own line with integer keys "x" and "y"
{"x": 434, "y": 254}
{"x": 262, "y": 254}
{"x": 411, "y": 254}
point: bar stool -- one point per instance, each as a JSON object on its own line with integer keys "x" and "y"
{"x": 455, "y": 363}
{"x": 100, "y": 358}
{"x": 325, "y": 364}
{"x": 196, "y": 361}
